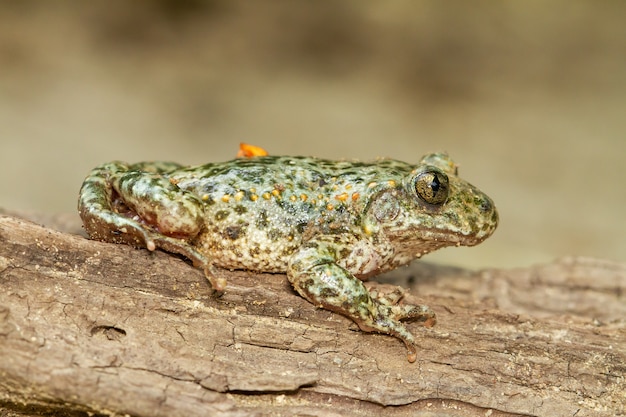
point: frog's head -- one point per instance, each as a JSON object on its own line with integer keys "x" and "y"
{"x": 431, "y": 209}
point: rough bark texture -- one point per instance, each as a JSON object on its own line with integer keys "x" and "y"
{"x": 88, "y": 327}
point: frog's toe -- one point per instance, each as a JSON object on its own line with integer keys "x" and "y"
{"x": 392, "y": 326}
{"x": 414, "y": 313}
{"x": 150, "y": 245}
{"x": 182, "y": 247}
{"x": 388, "y": 298}
{"x": 393, "y": 323}
{"x": 408, "y": 312}
{"x": 411, "y": 355}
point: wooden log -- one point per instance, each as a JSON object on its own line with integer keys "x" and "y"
{"x": 90, "y": 327}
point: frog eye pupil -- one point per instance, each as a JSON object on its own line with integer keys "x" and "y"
{"x": 432, "y": 187}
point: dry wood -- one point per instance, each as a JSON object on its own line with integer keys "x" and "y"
{"x": 89, "y": 327}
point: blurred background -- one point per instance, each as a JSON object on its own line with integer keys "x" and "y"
{"x": 529, "y": 97}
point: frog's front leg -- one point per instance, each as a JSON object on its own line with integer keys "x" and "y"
{"x": 316, "y": 275}
{"x": 137, "y": 205}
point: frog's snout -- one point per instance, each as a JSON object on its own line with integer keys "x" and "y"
{"x": 485, "y": 222}
{"x": 487, "y": 206}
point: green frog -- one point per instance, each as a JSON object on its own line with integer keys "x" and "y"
{"x": 327, "y": 224}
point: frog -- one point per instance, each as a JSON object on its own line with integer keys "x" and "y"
{"x": 329, "y": 225}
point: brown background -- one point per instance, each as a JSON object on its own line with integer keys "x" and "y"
{"x": 529, "y": 97}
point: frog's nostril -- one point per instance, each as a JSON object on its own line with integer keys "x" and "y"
{"x": 486, "y": 205}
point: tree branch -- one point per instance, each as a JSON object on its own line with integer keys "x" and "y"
{"x": 90, "y": 327}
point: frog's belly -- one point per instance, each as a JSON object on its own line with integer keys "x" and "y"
{"x": 250, "y": 251}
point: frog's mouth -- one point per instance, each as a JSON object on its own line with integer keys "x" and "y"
{"x": 458, "y": 238}
{"x": 442, "y": 239}
{"x": 427, "y": 240}
{"x": 468, "y": 231}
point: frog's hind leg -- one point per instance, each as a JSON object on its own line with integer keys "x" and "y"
{"x": 101, "y": 220}
{"x": 328, "y": 285}
{"x": 118, "y": 203}
{"x": 136, "y": 205}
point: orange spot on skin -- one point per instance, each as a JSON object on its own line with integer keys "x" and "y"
{"x": 342, "y": 197}
{"x": 250, "y": 151}
{"x": 225, "y": 198}
{"x": 355, "y": 196}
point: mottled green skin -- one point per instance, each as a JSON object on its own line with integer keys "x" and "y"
{"x": 325, "y": 223}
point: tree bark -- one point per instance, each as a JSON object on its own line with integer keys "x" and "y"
{"x": 95, "y": 328}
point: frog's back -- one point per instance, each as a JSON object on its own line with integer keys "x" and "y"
{"x": 258, "y": 210}
{"x": 295, "y": 172}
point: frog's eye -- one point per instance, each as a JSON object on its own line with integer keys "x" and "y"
{"x": 432, "y": 187}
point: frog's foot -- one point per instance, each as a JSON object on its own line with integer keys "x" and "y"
{"x": 109, "y": 226}
{"x": 328, "y": 285}
{"x": 387, "y": 319}
{"x": 391, "y": 296}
